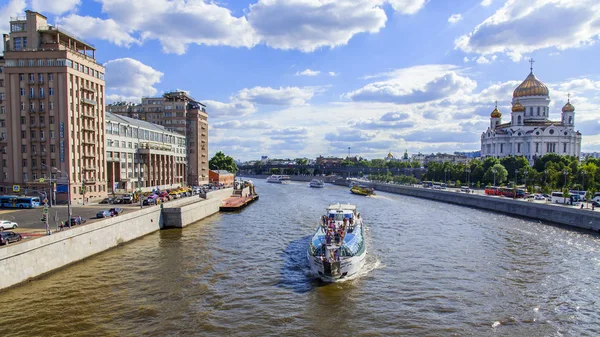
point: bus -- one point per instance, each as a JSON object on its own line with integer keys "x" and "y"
{"x": 557, "y": 198}
{"x": 493, "y": 190}
{"x": 579, "y": 196}
{"x": 28, "y": 202}
{"x": 13, "y": 201}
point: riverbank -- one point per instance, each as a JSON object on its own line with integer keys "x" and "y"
{"x": 34, "y": 258}
{"x": 566, "y": 216}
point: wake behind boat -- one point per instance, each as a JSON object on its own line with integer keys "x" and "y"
{"x": 338, "y": 249}
{"x": 317, "y": 183}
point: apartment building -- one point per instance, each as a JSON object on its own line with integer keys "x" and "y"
{"x": 51, "y": 110}
{"x": 143, "y": 155}
{"x": 176, "y": 111}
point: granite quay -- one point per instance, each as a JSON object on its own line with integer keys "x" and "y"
{"x": 33, "y": 258}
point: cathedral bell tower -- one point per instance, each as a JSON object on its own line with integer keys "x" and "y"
{"x": 518, "y": 114}
{"x": 495, "y": 118}
{"x": 568, "y": 113}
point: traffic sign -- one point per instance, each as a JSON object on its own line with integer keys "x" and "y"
{"x": 16, "y": 188}
{"x": 45, "y": 201}
{"x": 45, "y": 210}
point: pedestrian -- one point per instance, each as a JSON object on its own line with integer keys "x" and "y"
{"x": 581, "y": 205}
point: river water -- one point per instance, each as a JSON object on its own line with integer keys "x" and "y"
{"x": 433, "y": 270}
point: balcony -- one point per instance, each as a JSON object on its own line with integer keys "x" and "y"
{"x": 88, "y": 142}
{"x": 88, "y": 128}
{"x": 31, "y": 81}
{"x": 88, "y": 155}
{"x": 89, "y": 168}
{"x": 91, "y": 181}
{"x": 41, "y": 81}
{"x": 41, "y": 96}
{"x": 31, "y": 110}
{"x": 88, "y": 101}
{"x": 88, "y": 115}
{"x": 88, "y": 88}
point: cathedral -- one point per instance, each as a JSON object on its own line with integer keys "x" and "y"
{"x": 530, "y": 132}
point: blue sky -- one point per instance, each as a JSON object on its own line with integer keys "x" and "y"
{"x": 302, "y": 78}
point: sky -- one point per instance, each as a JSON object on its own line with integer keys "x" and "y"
{"x": 303, "y": 78}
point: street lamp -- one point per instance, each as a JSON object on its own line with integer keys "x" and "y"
{"x": 525, "y": 173}
{"x": 68, "y": 195}
{"x": 583, "y": 173}
{"x": 494, "y": 171}
{"x": 565, "y": 172}
{"x": 467, "y": 173}
{"x": 445, "y": 172}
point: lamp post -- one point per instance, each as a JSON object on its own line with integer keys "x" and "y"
{"x": 545, "y": 174}
{"x": 445, "y": 173}
{"x": 583, "y": 173}
{"x": 51, "y": 185}
{"x": 68, "y": 195}
{"x": 467, "y": 173}
{"x": 565, "y": 172}
{"x": 494, "y": 171}
{"x": 525, "y": 173}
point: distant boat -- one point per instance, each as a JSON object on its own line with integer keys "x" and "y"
{"x": 278, "y": 179}
{"x": 338, "y": 249}
{"x": 362, "y": 190}
{"x": 317, "y": 183}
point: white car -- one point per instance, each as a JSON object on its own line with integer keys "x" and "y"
{"x": 5, "y": 224}
{"x": 539, "y": 197}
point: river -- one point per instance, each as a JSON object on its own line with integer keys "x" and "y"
{"x": 433, "y": 269}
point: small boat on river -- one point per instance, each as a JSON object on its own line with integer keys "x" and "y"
{"x": 278, "y": 179}
{"x": 244, "y": 193}
{"x": 317, "y": 183}
{"x": 338, "y": 249}
{"x": 362, "y": 190}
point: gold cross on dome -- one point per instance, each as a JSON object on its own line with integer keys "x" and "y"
{"x": 531, "y": 60}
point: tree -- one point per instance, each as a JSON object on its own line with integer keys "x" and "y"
{"x": 222, "y": 162}
{"x": 501, "y": 174}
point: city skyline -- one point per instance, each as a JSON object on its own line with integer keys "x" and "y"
{"x": 308, "y": 78}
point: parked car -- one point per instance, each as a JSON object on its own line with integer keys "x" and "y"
{"x": 115, "y": 211}
{"x": 595, "y": 203}
{"x": 103, "y": 214}
{"x": 8, "y": 237}
{"x": 127, "y": 199}
{"x": 107, "y": 201}
{"x": 118, "y": 200}
{"x": 539, "y": 197}
{"x": 77, "y": 220}
{"x": 150, "y": 201}
{"x": 6, "y": 224}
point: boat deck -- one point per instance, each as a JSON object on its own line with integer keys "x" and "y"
{"x": 235, "y": 203}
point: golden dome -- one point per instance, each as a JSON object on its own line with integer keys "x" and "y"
{"x": 390, "y": 155}
{"x": 568, "y": 107}
{"x": 531, "y": 87}
{"x": 496, "y": 113}
{"x": 518, "y": 107}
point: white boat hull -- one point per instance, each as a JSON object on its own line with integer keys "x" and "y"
{"x": 346, "y": 268}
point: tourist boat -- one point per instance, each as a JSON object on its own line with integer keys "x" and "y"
{"x": 338, "y": 249}
{"x": 362, "y": 190}
{"x": 278, "y": 179}
{"x": 317, "y": 183}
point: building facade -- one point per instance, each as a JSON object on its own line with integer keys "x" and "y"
{"x": 51, "y": 111}
{"x": 530, "y": 132}
{"x": 142, "y": 155}
{"x": 177, "y": 112}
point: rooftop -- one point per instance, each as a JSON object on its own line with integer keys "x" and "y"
{"x": 138, "y": 123}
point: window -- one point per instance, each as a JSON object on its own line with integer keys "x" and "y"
{"x": 51, "y": 120}
{"x": 42, "y": 134}
{"x": 1, "y": 82}
{"x": 23, "y": 120}
{"x": 51, "y": 91}
{"x": 32, "y": 132}
{"x": 2, "y": 110}
{"x": 21, "y": 77}
{"x": 41, "y": 106}
{"x": 24, "y": 42}
{"x": 22, "y": 106}
{"x": 570, "y": 119}
{"x": 23, "y": 134}
{"x": 52, "y": 148}
{"x": 565, "y": 147}
{"x": 52, "y": 134}
{"x": 519, "y": 147}
{"x": 2, "y": 123}
{"x": 519, "y": 120}
{"x": 24, "y": 163}
{"x": 53, "y": 162}
{"x": 3, "y": 162}
{"x": 24, "y": 176}
{"x": 50, "y": 77}
{"x": 51, "y": 105}
{"x": 22, "y": 91}
{"x": 41, "y": 92}
{"x": 17, "y": 43}
{"x": 33, "y": 148}
{"x": 31, "y": 92}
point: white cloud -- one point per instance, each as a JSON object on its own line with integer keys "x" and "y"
{"x": 239, "y": 125}
{"x": 414, "y": 85}
{"x": 332, "y": 73}
{"x": 307, "y": 25}
{"x": 486, "y": 3}
{"x": 308, "y": 72}
{"x": 176, "y": 24}
{"x": 525, "y": 26}
{"x": 282, "y": 96}
{"x": 54, "y": 7}
{"x": 485, "y": 60}
{"x": 94, "y": 28}
{"x": 244, "y": 101}
{"x": 406, "y": 6}
{"x": 465, "y": 59}
{"x": 454, "y": 18}
{"x": 129, "y": 78}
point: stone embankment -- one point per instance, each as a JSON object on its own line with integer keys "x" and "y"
{"x": 556, "y": 214}
{"x": 30, "y": 259}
